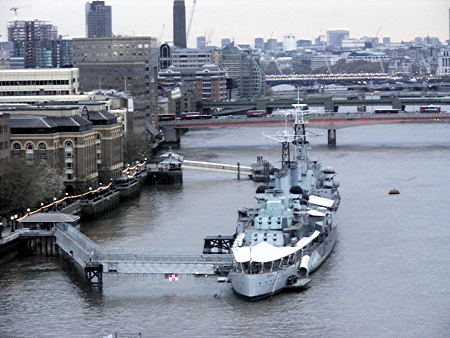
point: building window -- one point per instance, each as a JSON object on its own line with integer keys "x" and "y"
{"x": 42, "y": 146}
{"x": 29, "y": 152}
{"x": 16, "y": 146}
{"x": 42, "y": 157}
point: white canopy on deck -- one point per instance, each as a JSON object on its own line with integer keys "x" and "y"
{"x": 264, "y": 252}
{"x": 321, "y": 201}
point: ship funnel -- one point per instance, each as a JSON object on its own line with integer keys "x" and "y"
{"x": 304, "y": 266}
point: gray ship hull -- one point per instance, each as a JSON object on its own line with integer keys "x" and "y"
{"x": 257, "y": 286}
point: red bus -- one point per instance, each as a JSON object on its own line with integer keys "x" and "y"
{"x": 256, "y": 113}
{"x": 430, "y": 109}
{"x": 194, "y": 116}
{"x": 166, "y": 117}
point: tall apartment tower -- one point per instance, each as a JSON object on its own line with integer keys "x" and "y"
{"x": 98, "y": 20}
{"x": 179, "y": 24}
{"x": 36, "y": 42}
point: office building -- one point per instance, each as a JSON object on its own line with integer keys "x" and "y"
{"x": 201, "y": 42}
{"x": 191, "y": 57}
{"x": 176, "y": 100}
{"x": 98, "y": 20}
{"x": 208, "y": 83}
{"x": 244, "y": 71}
{"x": 225, "y": 42}
{"x": 386, "y": 41}
{"x": 22, "y": 82}
{"x": 188, "y": 57}
{"x": 179, "y": 24}
{"x": 128, "y": 64}
{"x": 4, "y": 136}
{"x": 289, "y": 43}
{"x": 259, "y": 43}
{"x": 443, "y": 68}
{"x": 335, "y": 37}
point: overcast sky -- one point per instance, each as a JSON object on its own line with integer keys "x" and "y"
{"x": 246, "y": 19}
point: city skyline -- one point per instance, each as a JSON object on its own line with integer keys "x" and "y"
{"x": 304, "y": 19}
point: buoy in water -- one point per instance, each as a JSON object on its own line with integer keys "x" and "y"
{"x": 394, "y": 192}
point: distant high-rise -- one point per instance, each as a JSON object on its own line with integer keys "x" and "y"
{"x": 259, "y": 43}
{"x": 386, "y": 40}
{"x": 272, "y": 44}
{"x": 179, "y": 24}
{"x": 289, "y": 43}
{"x": 201, "y": 42}
{"x": 225, "y": 42}
{"x": 38, "y": 44}
{"x": 98, "y": 20}
{"x": 335, "y": 38}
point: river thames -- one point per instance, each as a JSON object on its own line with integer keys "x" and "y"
{"x": 388, "y": 275}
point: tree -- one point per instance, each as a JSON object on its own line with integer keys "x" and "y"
{"x": 136, "y": 147}
{"x": 24, "y": 186}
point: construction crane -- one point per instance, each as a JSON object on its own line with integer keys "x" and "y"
{"x": 210, "y": 35}
{"x": 190, "y": 20}
{"x": 16, "y": 10}
{"x": 161, "y": 34}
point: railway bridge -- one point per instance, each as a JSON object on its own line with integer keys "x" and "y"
{"x": 328, "y": 121}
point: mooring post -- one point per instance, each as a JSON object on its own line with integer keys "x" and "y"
{"x": 331, "y": 138}
{"x": 238, "y": 171}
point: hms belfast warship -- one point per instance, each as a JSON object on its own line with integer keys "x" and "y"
{"x": 292, "y": 229}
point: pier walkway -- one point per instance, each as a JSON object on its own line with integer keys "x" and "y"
{"x": 220, "y": 167}
{"x": 96, "y": 261}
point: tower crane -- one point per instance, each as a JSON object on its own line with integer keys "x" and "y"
{"x": 161, "y": 34}
{"x": 190, "y": 20}
{"x": 16, "y": 10}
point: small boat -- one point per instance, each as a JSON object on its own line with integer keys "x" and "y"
{"x": 394, "y": 192}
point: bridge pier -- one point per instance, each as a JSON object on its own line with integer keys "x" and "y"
{"x": 171, "y": 135}
{"x": 331, "y": 138}
{"x": 94, "y": 273}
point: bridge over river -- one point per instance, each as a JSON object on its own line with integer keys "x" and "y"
{"x": 329, "y": 121}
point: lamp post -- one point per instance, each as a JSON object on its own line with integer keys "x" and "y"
{"x": 1, "y": 229}
{"x": 56, "y": 204}
{"x": 14, "y": 222}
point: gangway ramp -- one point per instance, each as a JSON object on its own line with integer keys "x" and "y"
{"x": 219, "y": 167}
{"x": 76, "y": 245}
